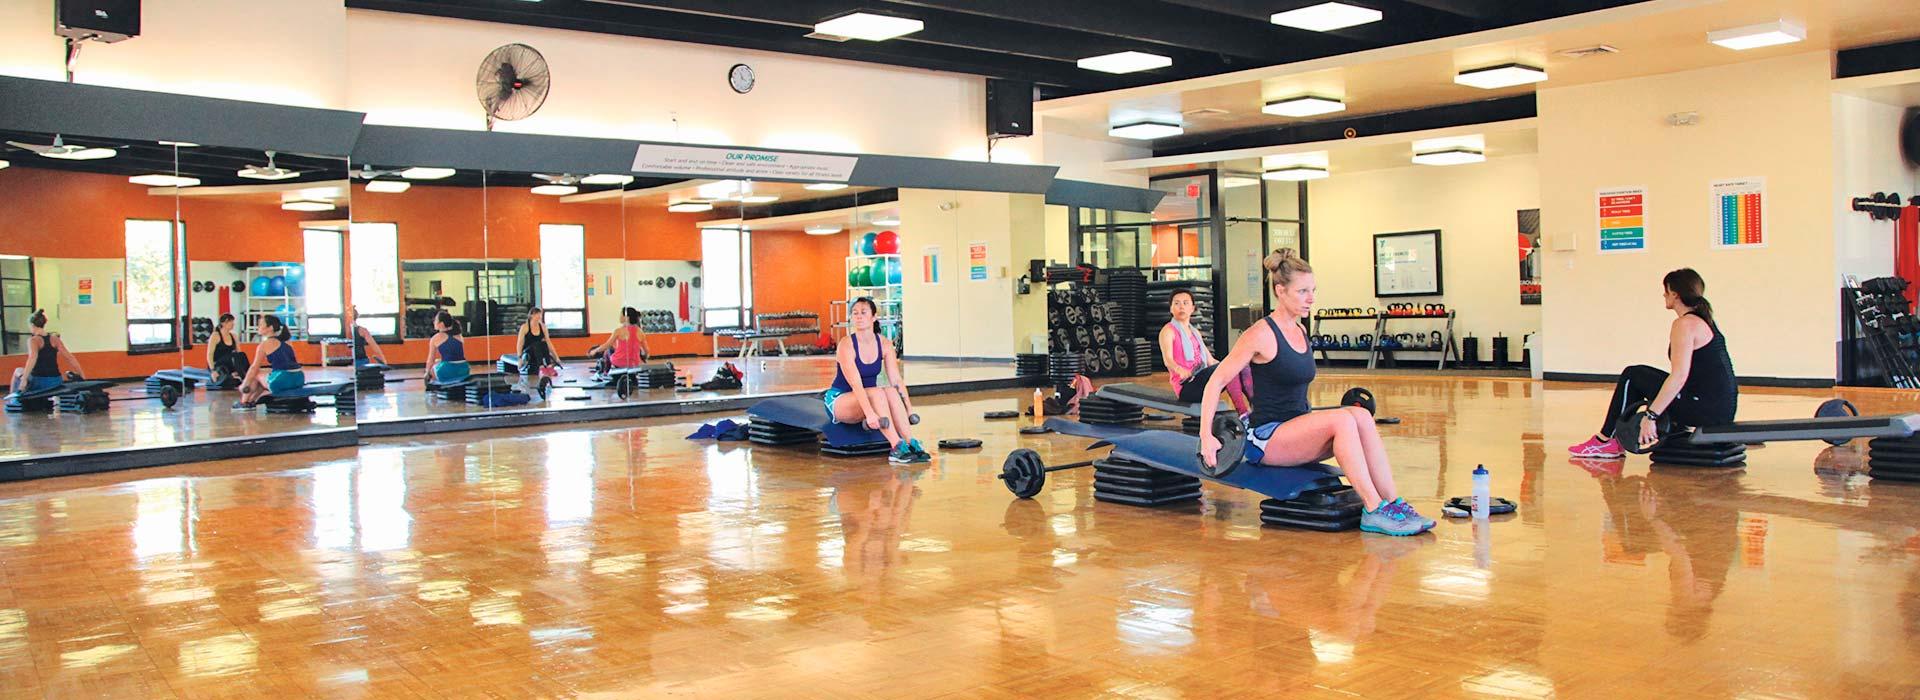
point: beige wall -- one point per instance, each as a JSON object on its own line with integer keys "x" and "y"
{"x": 960, "y": 317}
{"x": 1771, "y": 118}
{"x": 1473, "y": 206}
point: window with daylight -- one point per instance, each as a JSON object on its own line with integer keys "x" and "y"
{"x": 326, "y": 301}
{"x": 726, "y": 261}
{"x": 373, "y": 252}
{"x": 563, "y": 277}
{"x": 151, "y": 302}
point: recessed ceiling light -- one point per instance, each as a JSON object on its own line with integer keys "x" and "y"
{"x": 1145, "y": 130}
{"x": 555, "y": 190}
{"x": 1125, "y": 62}
{"x": 885, "y": 220}
{"x": 1755, "y": 36}
{"x": 1500, "y": 76}
{"x": 162, "y": 180}
{"x": 1304, "y": 106}
{"x": 822, "y": 229}
{"x": 689, "y": 207}
{"x": 427, "y": 173}
{"x": 826, "y": 186}
{"x": 1295, "y": 173}
{"x": 1451, "y": 156}
{"x": 1326, "y": 17}
{"x": 388, "y": 186}
{"x": 719, "y": 225}
{"x": 178, "y": 144}
{"x": 606, "y": 179}
{"x": 306, "y": 205}
{"x": 760, "y": 198}
{"x": 81, "y": 154}
{"x": 869, "y": 26}
{"x": 1233, "y": 180}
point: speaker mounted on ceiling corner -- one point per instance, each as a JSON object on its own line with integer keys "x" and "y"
{"x": 1009, "y": 107}
{"x": 105, "y": 21}
{"x": 1910, "y": 136}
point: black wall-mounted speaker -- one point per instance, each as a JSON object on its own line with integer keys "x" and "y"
{"x": 102, "y": 20}
{"x": 1009, "y": 107}
{"x": 1910, "y": 136}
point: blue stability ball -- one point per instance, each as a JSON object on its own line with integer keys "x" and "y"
{"x": 276, "y": 286}
{"x": 893, "y": 270}
{"x": 295, "y": 286}
{"x": 867, "y": 243}
{"x": 296, "y": 279}
{"x": 261, "y": 286}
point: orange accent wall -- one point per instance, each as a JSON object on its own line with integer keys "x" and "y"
{"x": 654, "y": 233}
{"x": 793, "y": 271}
{"x": 58, "y": 214}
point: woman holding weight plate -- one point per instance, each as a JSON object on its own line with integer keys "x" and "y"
{"x": 1285, "y": 430}
{"x": 1700, "y": 389}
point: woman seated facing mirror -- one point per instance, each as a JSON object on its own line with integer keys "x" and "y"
{"x": 366, "y": 350}
{"x": 275, "y": 370}
{"x": 45, "y": 353}
{"x": 446, "y": 353}
{"x": 530, "y": 344}
{"x": 625, "y": 347}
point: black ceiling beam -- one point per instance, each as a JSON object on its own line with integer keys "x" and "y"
{"x": 1440, "y": 117}
{"x": 1401, "y": 23}
{"x": 1149, "y": 21}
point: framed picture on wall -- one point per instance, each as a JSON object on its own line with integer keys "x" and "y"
{"x": 1406, "y": 264}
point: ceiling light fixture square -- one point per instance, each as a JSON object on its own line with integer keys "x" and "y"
{"x": 1451, "y": 156}
{"x": 1326, "y": 17}
{"x": 1145, "y": 130}
{"x": 689, "y": 207}
{"x": 869, "y": 26}
{"x": 1295, "y": 173}
{"x": 1304, "y": 106}
{"x": 1125, "y": 62}
{"x": 389, "y": 186}
{"x": 1756, "y": 36}
{"x": 427, "y": 173}
{"x": 1500, "y": 76}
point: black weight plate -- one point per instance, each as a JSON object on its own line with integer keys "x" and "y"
{"x": 959, "y": 444}
{"x": 1835, "y": 408}
{"x": 1231, "y": 432}
{"x": 1024, "y": 473}
{"x": 1359, "y": 396}
{"x": 1497, "y": 506}
{"x": 1000, "y": 415}
{"x": 1035, "y": 430}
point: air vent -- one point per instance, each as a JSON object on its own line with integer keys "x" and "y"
{"x": 1587, "y": 51}
{"x": 823, "y": 36}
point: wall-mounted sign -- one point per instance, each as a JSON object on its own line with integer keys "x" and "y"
{"x": 84, "y": 295}
{"x": 1739, "y": 212}
{"x": 977, "y": 261}
{"x": 735, "y": 162}
{"x": 930, "y": 264}
{"x": 1622, "y": 213}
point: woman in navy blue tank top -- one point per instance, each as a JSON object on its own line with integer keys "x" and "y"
{"x": 856, "y": 395}
{"x": 1284, "y": 430}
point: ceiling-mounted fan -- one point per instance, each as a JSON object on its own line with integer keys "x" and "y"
{"x": 268, "y": 171}
{"x": 65, "y": 151}
{"x": 512, "y": 83}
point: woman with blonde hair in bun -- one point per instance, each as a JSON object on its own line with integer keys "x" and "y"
{"x": 1284, "y": 430}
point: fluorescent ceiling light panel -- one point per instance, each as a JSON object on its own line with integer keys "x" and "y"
{"x": 1233, "y": 180}
{"x": 1145, "y": 130}
{"x": 160, "y": 180}
{"x": 869, "y": 26}
{"x": 1451, "y": 156}
{"x": 306, "y": 205}
{"x": 1755, "y": 36}
{"x": 885, "y": 220}
{"x": 1326, "y": 17}
{"x": 1125, "y": 62}
{"x": 822, "y": 230}
{"x": 606, "y": 179}
{"x": 760, "y": 198}
{"x": 388, "y": 186}
{"x": 427, "y": 173}
{"x": 1304, "y": 106}
{"x": 689, "y": 207}
{"x": 178, "y": 144}
{"x": 1296, "y": 173}
{"x": 720, "y": 225}
{"x": 826, "y": 187}
{"x": 555, "y": 190}
{"x": 1500, "y": 76}
{"x": 82, "y": 154}
{"x": 724, "y": 189}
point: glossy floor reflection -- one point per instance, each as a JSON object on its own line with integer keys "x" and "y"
{"x": 134, "y": 421}
{"x": 765, "y": 375}
{"x": 620, "y": 560}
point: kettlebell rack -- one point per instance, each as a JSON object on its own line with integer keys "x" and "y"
{"x": 1379, "y": 344}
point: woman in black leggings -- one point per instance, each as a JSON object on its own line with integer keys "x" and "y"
{"x": 1699, "y": 391}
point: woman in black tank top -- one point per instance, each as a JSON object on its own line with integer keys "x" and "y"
{"x": 1284, "y": 430}
{"x": 223, "y": 351}
{"x": 45, "y": 352}
{"x": 535, "y": 354}
{"x": 1699, "y": 391}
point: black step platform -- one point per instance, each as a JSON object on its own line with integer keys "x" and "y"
{"x": 1687, "y": 454}
{"x": 866, "y": 449}
{"x": 1330, "y": 508}
{"x": 1094, "y": 409}
{"x": 1894, "y": 459}
{"x": 1131, "y": 483}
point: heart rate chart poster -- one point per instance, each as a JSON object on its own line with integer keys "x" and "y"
{"x": 1740, "y": 212}
{"x": 1622, "y": 212}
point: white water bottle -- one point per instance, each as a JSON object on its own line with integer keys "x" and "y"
{"x": 1482, "y": 492}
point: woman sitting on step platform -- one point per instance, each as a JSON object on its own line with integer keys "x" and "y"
{"x": 1701, "y": 389}
{"x": 1285, "y": 430}
{"x": 856, "y": 395}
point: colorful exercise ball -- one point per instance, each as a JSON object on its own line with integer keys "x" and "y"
{"x": 867, "y": 243}
{"x": 854, "y": 275}
{"x": 296, "y": 274}
{"x": 893, "y": 270}
{"x": 866, "y": 276}
{"x": 886, "y": 243}
{"x": 877, "y": 274}
{"x": 277, "y": 285}
{"x": 262, "y": 286}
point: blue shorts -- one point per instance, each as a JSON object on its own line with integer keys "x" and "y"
{"x": 828, "y": 399}
{"x": 284, "y": 380}
{"x": 450, "y": 372}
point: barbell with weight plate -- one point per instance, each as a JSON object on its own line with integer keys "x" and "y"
{"x": 1627, "y": 430}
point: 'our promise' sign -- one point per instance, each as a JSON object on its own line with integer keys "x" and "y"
{"x": 735, "y": 162}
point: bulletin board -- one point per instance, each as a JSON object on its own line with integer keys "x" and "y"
{"x": 1406, "y": 264}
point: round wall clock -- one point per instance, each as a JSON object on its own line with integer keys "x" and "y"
{"x": 740, "y": 76}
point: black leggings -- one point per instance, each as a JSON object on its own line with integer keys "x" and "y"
{"x": 1638, "y": 384}
{"x": 536, "y": 357}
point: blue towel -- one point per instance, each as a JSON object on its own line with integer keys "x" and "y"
{"x": 724, "y": 429}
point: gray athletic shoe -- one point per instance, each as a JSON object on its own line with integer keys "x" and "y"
{"x": 1406, "y": 509}
{"x": 1387, "y": 520}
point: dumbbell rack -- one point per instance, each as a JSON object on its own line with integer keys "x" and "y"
{"x": 1883, "y": 321}
{"x": 1374, "y": 350}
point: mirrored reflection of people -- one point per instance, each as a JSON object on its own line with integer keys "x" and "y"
{"x": 624, "y": 348}
{"x": 873, "y": 518}
{"x": 1681, "y": 514}
{"x": 45, "y": 353}
{"x": 275, "y": 369}
{"x": 366, "y": 350}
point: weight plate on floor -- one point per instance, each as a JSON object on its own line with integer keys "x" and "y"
{"x": 1024, "y": 473}
{"x": 1001, "y": 415}
{"x": 1836, "y": 408}
{"x": 959, "y": 443}
{"x": 1359, "y": 396}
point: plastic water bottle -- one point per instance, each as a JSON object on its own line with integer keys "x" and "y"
{"x": 1482, "y": 492}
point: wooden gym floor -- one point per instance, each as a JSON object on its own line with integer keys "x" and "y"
{"x": 620, "y": 560}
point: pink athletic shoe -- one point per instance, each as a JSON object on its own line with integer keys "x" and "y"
{"x": 1593, "y": 448}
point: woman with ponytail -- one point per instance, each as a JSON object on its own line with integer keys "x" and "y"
{"x": 1700, "y": 390}
{"x": 45, "y": 352}
{"x": 274, "y": 369}
{"x": 862, "y": 361}
{"x": 1284, "y": 430}
{"x": 446, "y": 353}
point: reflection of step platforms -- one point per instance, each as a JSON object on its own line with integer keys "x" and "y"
{"x": 1894, "y": 459}
{"x": 1131, "y": 483}
{"x": 370, "y": 378}
{"x": 660, "y": 377}
{"x": 1686, "y": 454}
{"x": 1094, "y": 409}
{"x": 84, "y": 402}
{"x": 1331, "y": 509}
